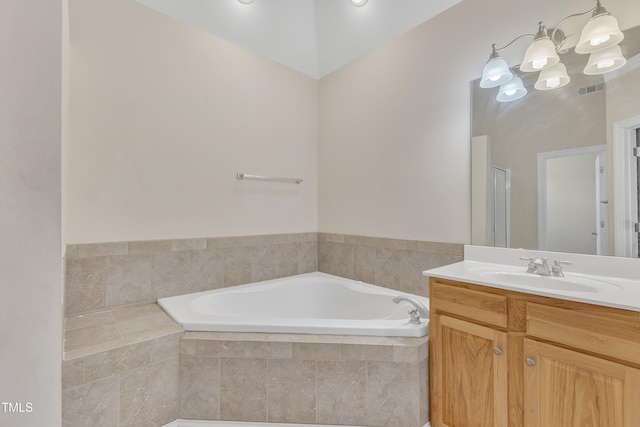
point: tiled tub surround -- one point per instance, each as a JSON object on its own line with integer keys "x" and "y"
{"x": 108, "y": 275}
{"x": 136, "y": 367}
{"x": 122, "y": 366}
{"x": 392, "y": 263}
{"x": 304, "y": 379}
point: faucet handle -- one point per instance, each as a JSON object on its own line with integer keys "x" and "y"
{"x": 530, "y": 268}
{"x": 556, "y": 270}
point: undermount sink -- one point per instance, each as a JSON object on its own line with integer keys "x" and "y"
{"x": 569, "y": 283}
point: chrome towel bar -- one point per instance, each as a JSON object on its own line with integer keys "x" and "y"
{"x": 242, "y": 175}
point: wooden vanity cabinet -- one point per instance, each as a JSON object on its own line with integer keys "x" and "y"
{"x": 501, "y": 358}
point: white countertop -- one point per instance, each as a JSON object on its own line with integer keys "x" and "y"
{"x": 611, "y": 282}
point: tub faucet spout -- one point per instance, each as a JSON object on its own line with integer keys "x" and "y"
{"x": 418, "y": 310}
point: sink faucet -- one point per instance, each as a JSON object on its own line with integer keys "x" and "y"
{"x": 537, "y": 266}
{"x": 418, "y": 310}
{"x": 556, "y": 270}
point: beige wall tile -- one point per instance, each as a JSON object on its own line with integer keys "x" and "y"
{"x": 365, "y": 264}
{"x": 367, "y": 352}
{"x": 99, "y": 333}
{"x": 116, "y": 361}
{"x": 199, "y": 390}
{"x": 220, "y": 348}
{"x": 292, "y": 391}
{"x": 128, "y": 280}
{"x": 341, "y": 392}
{"x": 263, "y": 262}
{"x": 84, "y": 285}
{"x": 150, "y": 247}
{"x": 149, "y": 395}
{"x": 188, "y": 244}
{"x": 423, "y": 399}
{"x": 188, "y": 346}
{"x": 94, "y": 404}
{"x": 285, "y": 238}
{"x": 71, "y": 252}
{"x": 287, "y": 259}
{"x": 237, "y": 265}
{"x": 413, "y": 263}
{"x": 406, "y": 354}
{"x": 243, "y": 389}
{"x": 207, "y": 270}
{"x": 336, "y": 258}
{"x": 88, "y": 320}
{"x": 268, "y": 350}
{"x": 143, "y": 322}
{"x": 171, "y": 274}
{"x": 102, "y": 249}
{"x": 257, "y": 240}
{"x": 165, "y": 347}
{"x": 435, "y": 247}
{"x": 307, "y": 257}
{"x": 72, "y": 373}
{"x": 330, "y": 237}
{"x": 309, "y": 237}
{"x": 392, "y": 391}
{"x": 388, "y": 268}
{"x": 317, "y": 351}
{"x": 457, "y": 250}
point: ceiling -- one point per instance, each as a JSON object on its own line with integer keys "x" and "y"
{"x": 315, "y": 37}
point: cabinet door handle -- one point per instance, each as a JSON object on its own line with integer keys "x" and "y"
{"x": 497, "y": 351}
{"x": 529, "y": 361}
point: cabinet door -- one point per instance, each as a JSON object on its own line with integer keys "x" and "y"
{"x": 469, "y": 374}
{"x": 564, "y": 388}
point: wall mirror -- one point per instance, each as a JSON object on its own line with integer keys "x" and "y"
{"x": 555, "y": 169}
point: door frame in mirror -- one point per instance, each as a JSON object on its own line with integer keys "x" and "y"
{"x": 625, "y": 191}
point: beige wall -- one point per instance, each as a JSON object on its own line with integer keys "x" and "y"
{"x": 30, "y": 284}
{"x": 163, "y": 115}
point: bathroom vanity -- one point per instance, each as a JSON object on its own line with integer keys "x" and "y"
{"x": 511, "y": 348}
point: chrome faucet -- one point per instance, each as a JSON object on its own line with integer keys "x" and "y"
{"x": 537, "y": 266}
{"x": 418, "y": 310}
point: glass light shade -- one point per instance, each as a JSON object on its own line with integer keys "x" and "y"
{"x": 553, "y": 77}
{"x": 541, "y": 53}
{"x": 358, "y": 3}
{"x": 605, "y": 60}
{"x": 601, "y": 32}
{"x": 511, "y": 90}
{"x": 495, "y": 72}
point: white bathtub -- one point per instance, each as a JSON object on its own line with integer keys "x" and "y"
{"x": 313, "y": 303}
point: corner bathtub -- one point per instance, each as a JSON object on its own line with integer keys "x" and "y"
{"x": 312, "y": 303}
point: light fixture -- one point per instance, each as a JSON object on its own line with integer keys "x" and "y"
{"x": 541, "y": 52}
{"x": 599, "y": 37}
{"x": 553, "y": 77}
{"x": 605, "y": 60}
{"x": 246, "y": 1}
{"x": 496, "y": 71}
{"x": 601, "y": 32}
{"x": 511, "y": 90}
{"x": 358, "y": 3}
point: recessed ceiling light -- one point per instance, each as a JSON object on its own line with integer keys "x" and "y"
{"x": 246, "y": 1}
{"x": 358, "y": 3}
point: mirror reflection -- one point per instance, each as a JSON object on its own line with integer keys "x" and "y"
{"x": 555, "y": 170}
